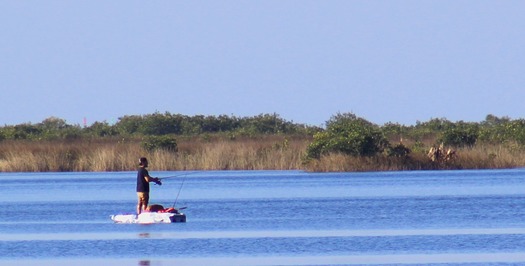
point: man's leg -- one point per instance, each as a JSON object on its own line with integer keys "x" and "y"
{"x": 145, "y": 202}
{"x": 140, "y": 204}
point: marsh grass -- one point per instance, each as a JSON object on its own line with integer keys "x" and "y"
{"x": 258, "y": 153}
{"x": 479, "y": 157}
{"x": 270, "y": 152}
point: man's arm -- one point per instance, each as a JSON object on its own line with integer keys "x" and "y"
{"x": 152, "y": 179}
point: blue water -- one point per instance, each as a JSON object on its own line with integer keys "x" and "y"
{"x": 268, "y": 218}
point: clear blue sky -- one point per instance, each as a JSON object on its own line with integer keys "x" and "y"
{"x": 397, "y": 61}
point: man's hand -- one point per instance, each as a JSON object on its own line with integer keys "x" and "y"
{"x": 157, "y": 181}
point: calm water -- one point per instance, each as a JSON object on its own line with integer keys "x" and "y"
{"x": 268, "y": 218}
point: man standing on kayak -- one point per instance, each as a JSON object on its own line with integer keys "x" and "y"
{"x": 143, "y": 179}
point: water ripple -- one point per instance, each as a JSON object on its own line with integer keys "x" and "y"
{"x": 262, "y": 234}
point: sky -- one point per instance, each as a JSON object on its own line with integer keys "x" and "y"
{"x": 385, "y": 61}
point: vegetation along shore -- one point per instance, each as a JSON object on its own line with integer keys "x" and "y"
{"x": 264, "y": 142}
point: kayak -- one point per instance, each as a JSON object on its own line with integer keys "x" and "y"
{"x": 169, "y": 215}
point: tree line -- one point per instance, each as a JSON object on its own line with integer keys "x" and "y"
{"x": 156, "y": 124}
{"x": 343, "y": 133}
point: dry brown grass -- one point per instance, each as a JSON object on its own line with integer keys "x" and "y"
{"x": 36, "y": 156}
{"x": 492, "y": 156}
{"x": 247, "y": 154}
{"x": 479, "y": 157}
{"x": 262, "y": 153}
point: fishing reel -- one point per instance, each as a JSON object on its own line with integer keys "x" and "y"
{"x": 158, "y": 182}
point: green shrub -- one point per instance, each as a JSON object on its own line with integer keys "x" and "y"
{"x": 347, "y": 134}
{"x": 153, "y": 143}
{"x": 399, "y": 150}
{"x": 101, "y": 129}
{"x": 460, "y": 135}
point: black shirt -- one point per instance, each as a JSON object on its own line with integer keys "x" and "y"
{"x": 142, "y": 184}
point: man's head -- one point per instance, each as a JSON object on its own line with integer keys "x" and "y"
{"x": 143, "y": 162}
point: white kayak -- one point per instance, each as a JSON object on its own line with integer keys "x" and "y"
{"x": 167, "y": 216}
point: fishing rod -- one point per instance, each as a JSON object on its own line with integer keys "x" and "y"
{"x": 185, "y": 174}
{"x": 159, "y": 179}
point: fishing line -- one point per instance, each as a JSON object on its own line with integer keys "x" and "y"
{"x": 182, "y": 184}
{"x": 178, "y": 193}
